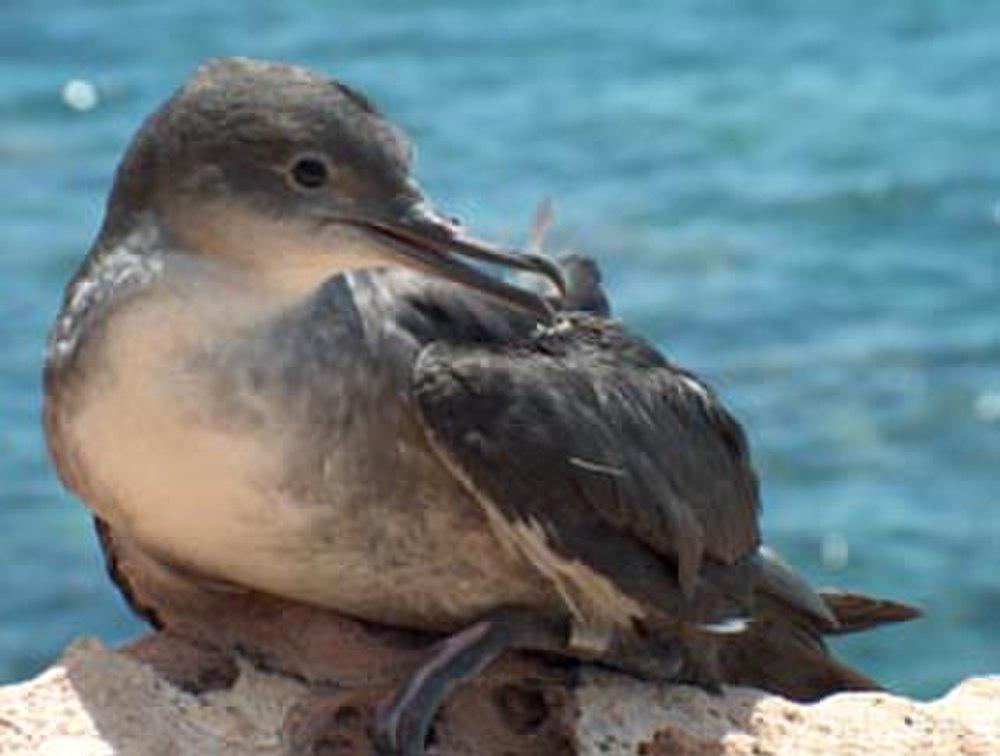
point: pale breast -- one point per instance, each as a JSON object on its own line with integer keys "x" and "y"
{"x": 251, "y": 482}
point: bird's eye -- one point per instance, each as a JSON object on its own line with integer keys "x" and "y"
{"x": 309, "y": 172}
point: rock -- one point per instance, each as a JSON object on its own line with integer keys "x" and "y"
{"x": 98, "y": 702}
{"x": 626, "y": 717}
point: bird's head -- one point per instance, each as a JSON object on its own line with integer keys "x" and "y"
{"x": 295, "y": 178}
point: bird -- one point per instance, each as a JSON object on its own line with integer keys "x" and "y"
{"x": 280, "y": 368}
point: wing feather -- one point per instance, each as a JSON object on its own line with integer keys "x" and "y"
{"x": 588, "y": 434}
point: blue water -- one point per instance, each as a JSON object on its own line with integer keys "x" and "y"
{"x": 801, "y": 201}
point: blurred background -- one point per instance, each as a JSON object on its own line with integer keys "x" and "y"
{"x": 800, "y": 201}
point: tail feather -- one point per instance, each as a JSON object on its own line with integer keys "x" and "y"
{"x": 777, "y": 579}
{"x": 856, "y": 612}
{"x": 782, "y": 649}
{"x": 783, "y": 652}
{"x": 797, "y": 668}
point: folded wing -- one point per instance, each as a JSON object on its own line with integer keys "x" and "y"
{"x": 585, "y": 441}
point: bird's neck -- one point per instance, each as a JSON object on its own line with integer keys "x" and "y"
{"x": 134, "y": 300}
{"x": 117, "y": 268}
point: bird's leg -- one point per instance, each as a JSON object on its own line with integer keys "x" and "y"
{"x": 402, "y": 724}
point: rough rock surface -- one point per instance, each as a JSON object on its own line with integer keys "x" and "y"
{"x": 97, "y": 701}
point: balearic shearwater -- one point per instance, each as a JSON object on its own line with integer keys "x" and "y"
{"x": 274, "y": 371}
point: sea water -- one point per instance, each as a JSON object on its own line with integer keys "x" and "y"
{"x": 799, "y": 201}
